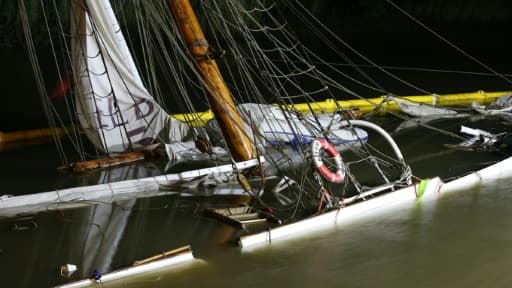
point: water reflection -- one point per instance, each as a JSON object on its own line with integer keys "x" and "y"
{"x": 96, "y": 235}
{"x": 459, "y": 240}
{"x": 107, "y": 237}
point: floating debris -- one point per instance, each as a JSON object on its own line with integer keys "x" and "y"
{"x": 501, "y": 107}
{"x": 481, "y": 140}
{"x": 67, "y": 270}
{"x": 423, "y": 110}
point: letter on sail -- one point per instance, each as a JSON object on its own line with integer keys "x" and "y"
{"x": 114, "y": 108}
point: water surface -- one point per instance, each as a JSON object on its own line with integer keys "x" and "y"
{"x": 460, "y": 240}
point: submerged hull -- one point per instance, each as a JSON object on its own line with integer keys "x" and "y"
{"x": 115, "y": 191}
{"x": 407, "y": 196}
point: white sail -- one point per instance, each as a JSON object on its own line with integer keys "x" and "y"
{"x": 114, "y": 108}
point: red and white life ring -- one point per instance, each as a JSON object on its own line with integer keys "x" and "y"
{"x": 333, "y": 176}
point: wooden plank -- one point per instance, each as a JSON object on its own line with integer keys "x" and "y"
{"x": 163, "y": 255}
{"x": 254, "y": 221}
{"x": 242, "y": 217}
{"x": 105, "y": 162}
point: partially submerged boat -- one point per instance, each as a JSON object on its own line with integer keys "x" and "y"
{"x": 269, "y": 134}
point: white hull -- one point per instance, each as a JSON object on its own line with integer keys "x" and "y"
{"x": 435, "y": 188}
{"x": 80, "y": 196}
{"x": 154, "y": 266}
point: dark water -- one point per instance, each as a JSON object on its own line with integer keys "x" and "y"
{"x": 460, "y": 240}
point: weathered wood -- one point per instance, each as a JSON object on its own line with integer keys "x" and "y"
{"x": 104, "y": 162}
{"x": 240, "y": 216}
{"x": 254, "y": 221}
{"x": 219, "y": 96}
{"x": 244, "y": 217}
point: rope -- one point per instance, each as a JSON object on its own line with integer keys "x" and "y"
{"x": 317, "y": 23}
{"x": 417, "y": 69}
{"x": 263, "y": 62}
{"x": 448, "y": 42}
{"x": 39, "y": 77}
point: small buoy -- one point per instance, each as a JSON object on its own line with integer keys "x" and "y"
{"x": 67, "y": 270}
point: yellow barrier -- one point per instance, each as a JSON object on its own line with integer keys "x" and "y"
{"x": 367, "y": 105}
{"x": 328, "y": 106}
{"x": 28, "y": 135}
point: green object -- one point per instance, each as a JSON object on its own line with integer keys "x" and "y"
{"x": 422, "y": 187}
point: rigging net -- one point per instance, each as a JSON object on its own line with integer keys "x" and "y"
{"x": 263, "y": 62}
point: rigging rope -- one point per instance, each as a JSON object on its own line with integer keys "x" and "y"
{"x": 417, "y": 21}
{"x": 39, "y": 78}
{"x": 264, "y": 63}
{"x": 320, "y": 24}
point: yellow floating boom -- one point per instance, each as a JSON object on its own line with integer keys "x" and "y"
{"x": 327, "y": 106}
{"x": 368, "y": 105}
{"x": 29, "y": 135}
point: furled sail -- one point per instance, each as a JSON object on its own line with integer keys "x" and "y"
{"x": 114, "y": 108}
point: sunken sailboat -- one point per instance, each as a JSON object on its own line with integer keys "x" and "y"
{"x": 267, "y": 131}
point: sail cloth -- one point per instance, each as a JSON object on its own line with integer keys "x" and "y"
{"x": 278, "y": 126}
{"x": 114, "y": 108}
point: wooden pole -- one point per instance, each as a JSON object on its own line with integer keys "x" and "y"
{"x": 219, "y": 96}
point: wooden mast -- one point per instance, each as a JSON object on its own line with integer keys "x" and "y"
{"x": 219, "y": 96}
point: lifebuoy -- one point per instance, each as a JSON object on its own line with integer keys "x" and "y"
{"x": 333, "y": 176}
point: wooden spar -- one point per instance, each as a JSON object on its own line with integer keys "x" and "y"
{"x": 219, "y": 96}
{"x": 105, "y": 162}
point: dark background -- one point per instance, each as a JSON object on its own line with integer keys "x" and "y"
{"x": 372, "y": 27}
